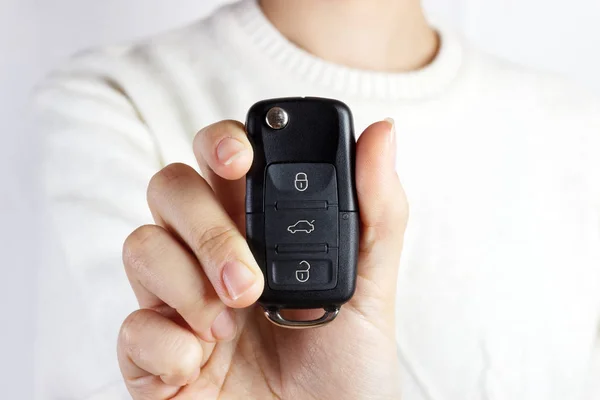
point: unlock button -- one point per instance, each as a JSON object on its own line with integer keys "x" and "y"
{"x": 301, "y": 274}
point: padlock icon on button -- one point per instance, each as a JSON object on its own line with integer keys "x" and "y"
{"x": 303, "y": 274}
{"x": 301, "y": 182}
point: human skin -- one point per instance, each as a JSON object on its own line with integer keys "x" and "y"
{"x": 198, "y": 333}
{"x": 378, "y": 35}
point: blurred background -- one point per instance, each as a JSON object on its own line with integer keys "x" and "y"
{"x": 35, "y": 35}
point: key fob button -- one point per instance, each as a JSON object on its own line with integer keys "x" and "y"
{"x": 301, "y": 182}
{"x": 302, "y": 271}
{"x": 301, "y": 226}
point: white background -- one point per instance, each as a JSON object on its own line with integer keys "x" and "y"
{"x": 35, "y": 35}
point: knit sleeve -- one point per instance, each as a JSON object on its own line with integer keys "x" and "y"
{"x": 592, "y": 388}
{"x": 98, "y": 156}
{"x": 591, "y": 150}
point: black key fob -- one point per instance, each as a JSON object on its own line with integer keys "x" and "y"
{"x": 302, "y": 221}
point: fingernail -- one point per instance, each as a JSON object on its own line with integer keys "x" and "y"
{"x": 238, "y": 278}
{"x": 392, "y": 140}
{"x": 224, "y": 326}
{"x": 229, "y": 149}
{"x": 392, "y": 123}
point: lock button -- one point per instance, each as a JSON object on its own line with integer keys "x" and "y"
{"x": 300, "y": 182}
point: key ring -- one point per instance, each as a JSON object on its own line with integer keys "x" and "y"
{"x": 274, "y": 315}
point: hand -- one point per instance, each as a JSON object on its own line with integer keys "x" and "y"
{"x": 198, "y": 334}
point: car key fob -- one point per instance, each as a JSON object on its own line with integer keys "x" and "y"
{"x": 302, "y": 221}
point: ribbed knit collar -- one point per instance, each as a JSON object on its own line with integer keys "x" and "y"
{"x": 425, "y": 82}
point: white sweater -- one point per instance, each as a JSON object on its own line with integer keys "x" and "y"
{"x": 499, "y": 289}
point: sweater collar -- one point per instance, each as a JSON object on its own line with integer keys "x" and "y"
{"x": 259, "y": 33}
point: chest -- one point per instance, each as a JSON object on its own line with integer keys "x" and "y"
{"x": 500, "y": 272}
{"x": 499, "y": 284}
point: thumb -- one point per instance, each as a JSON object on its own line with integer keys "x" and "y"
{"x": 383, "y": 214}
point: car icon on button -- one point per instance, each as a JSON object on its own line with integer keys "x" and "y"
{"x": 302, "y": 226}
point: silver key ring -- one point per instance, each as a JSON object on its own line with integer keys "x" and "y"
{"x": 274, "y": 315}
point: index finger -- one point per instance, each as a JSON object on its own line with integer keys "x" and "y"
{"x": 224, "y": 155}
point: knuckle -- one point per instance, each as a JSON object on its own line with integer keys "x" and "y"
{"x": 168, "y": 177}
{"x": 368, "y": 238}
{"x": 139, "y": 246}
{"x": 189, "y": 356}
{"x": 173, "y": 172}
{"x": 216, "y": 241}
{"x": 400, "y": 213}
{"x": 227, "y": 128}
{"x": 401, "y": 210}
{"x": 385, "y": 230}
{"x": 130, "y": 329}
{"x": 405, "y": 212}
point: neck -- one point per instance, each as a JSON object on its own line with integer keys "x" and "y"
{"x": 381, "y": 35}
